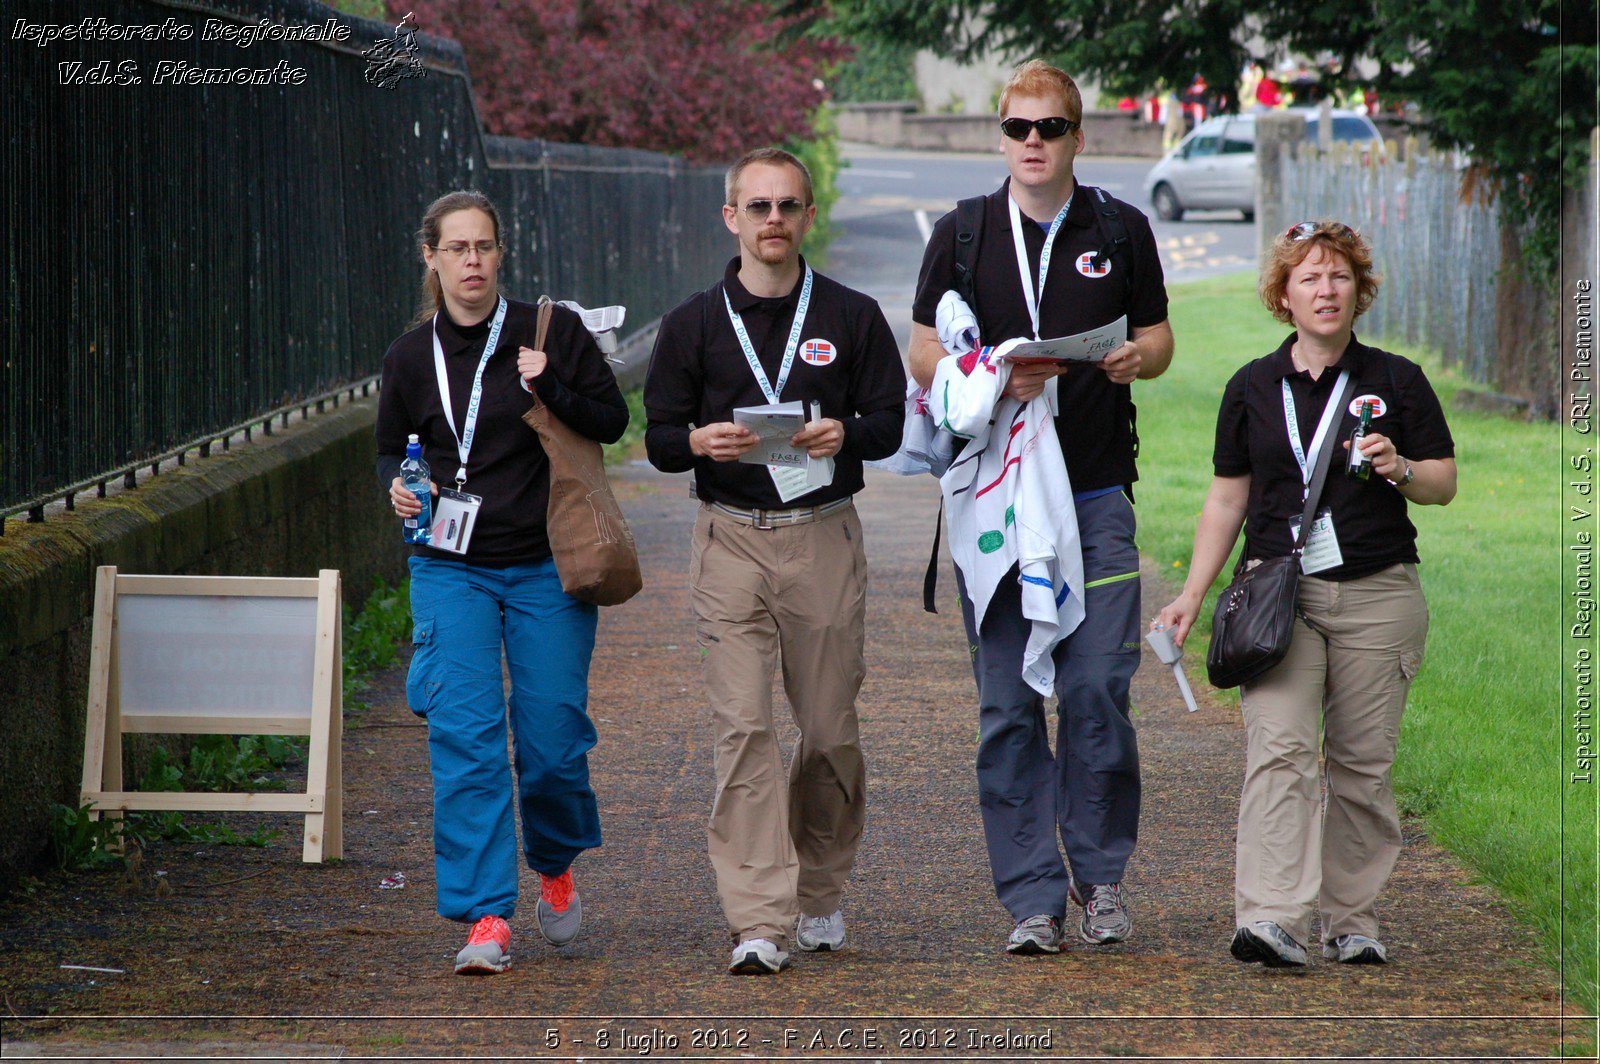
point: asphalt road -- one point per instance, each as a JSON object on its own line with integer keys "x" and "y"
{"x": 888, "y": 196}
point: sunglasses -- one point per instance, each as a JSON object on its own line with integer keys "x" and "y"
{"x": 1049, "y": 128}
{"x": 1307, "y": 230}
{"x": 758, "y": 210}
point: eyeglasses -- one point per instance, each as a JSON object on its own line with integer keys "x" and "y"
{"x": 759, "y": 210}
{"x": 1307, "y": 230}
{"x": 1049, "y": 128}
{"x": 459, "y": 248}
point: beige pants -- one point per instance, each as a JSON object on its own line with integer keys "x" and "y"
{"x": 1346, "y": 675}
{"x": 797, "y": 593}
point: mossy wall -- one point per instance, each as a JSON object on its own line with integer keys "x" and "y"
{"x": 303, "y": 499}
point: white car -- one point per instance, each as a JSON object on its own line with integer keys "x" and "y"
{"x": 1214, "y": 167}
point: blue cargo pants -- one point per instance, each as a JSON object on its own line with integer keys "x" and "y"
{"x": 462, "y": 616}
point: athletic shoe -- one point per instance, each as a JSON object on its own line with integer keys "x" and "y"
{"x": 1036, "y": 934}
{"x": 819, "y": 933}
{"x": 1105, "y": 918}
{"x": 1264, "y": 942}
{"x": 488, "y": 948}
{"x": 757, "y": 956}
{"x": 559, "y": 912}
{"x": 1355, "y": 949}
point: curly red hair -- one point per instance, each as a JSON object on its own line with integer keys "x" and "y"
{"x": 1292, "y": 248}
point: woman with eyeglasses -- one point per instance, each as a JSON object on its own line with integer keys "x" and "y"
{"x": 459, "y": 382}
{"x": 1362, "y": 621}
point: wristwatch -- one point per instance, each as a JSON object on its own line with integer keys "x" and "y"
{"x": 1405, "y": 478}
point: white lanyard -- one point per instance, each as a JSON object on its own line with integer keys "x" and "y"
{"x": 789, "y": 349}
{"x": 464, "y": 439}
{"x": 1293, "y": 423}
{"x": 1044, "y": 257}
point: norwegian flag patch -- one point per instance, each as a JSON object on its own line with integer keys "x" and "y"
{"x": 1089, "y": 268}
{"x": 816, "y": 352}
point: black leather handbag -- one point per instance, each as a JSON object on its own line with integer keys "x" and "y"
{"x": 1254, "y": 619}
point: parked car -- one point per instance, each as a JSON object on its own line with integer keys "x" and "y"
{"x": 1214, "y": 167}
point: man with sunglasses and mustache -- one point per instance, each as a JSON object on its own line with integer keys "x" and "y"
{"x": 778, "y": 569}
{"x": 1054, "y": 258}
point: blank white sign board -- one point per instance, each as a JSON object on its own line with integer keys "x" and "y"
{"x": 222, "y": 655}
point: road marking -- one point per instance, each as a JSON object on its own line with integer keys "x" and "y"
{"x": 898, "y": 175}
{"x": 924, "y": 226}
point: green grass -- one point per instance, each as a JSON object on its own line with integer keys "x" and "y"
{"x": 613, "y": 453}
{"x": 1481, "y": 750}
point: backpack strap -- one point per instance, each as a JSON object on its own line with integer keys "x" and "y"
{"x": 1113, "y": 230}
{"x": 969, "y": 234}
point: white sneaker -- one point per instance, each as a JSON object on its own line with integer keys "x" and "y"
{"x": 1355, "y": 949}
{"x": 820, "y": 932}
{"x": 757, "y": 956}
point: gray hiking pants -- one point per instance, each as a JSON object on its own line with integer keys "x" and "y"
{"x": 1090, "y": 786}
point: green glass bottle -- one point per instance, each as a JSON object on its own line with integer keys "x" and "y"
{"x": 1359, "y": 465}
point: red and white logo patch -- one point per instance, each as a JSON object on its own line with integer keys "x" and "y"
{"x": 1089, "y": 268}
{"x": 817, "y": 352}
{"x": 1379, "y": 407}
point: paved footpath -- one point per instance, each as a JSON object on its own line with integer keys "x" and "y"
{"x": 285, "y": 959}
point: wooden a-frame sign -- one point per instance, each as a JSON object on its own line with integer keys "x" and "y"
{"x": 218, "y": 655}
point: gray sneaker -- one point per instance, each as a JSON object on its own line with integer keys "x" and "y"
{"x": 1264, "y": 942}
{"x": 757, "y": 956}
{"x": 1036, "y": 934}
{"x": 820, "y": 933}
{"x": 559, "y": 912}
{"x": 488, "y": 948}
{"x": 1105, "y": 918}
{"x": 1355, "y": 949}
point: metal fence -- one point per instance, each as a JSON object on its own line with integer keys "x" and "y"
{"x": 1437, "y": 254}
{"x": 182, "y": 257}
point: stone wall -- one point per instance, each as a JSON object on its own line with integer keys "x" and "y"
{"x": 897, "y": 125}
{"x": 304, "y": 499}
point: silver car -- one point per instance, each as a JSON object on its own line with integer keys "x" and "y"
{"x": 1214, "y": 167}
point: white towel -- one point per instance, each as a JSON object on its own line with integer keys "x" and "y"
{"x": 957, "y": 325}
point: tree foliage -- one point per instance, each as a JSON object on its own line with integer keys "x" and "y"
{"x": 707, "y": 80}
{"x": 1511, "y": 82}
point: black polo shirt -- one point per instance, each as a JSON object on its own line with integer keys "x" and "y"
{"x": 699, "y": 373}
{"x": 1369, "y": 516}
{"x": 507, "y": 465}
{"x": 1096, "y": 424}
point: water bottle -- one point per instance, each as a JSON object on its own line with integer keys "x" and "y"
{"x": 414, "y": 475}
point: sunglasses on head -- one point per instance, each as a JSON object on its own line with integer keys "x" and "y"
{"x": 1049, "y": 128}
{"x": 758, "y": 210}
{"x": 1307, "y": 230}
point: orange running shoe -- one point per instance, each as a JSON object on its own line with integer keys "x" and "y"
{"x": 488, "y": 948}
{"x": 559, "y": 912}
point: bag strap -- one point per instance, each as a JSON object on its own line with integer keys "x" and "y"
{"x": 1320, "y": 476}
{"x": 546, "y": 308}
{"x": 930, "y": 579}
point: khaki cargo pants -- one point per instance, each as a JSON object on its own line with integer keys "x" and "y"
{"x": 1334, "y": 837}
{"x": 795, "y": 593}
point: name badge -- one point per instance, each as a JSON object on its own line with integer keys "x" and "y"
{"x": 1322, "y": 546}
{"x": 795, "y": 481}
{"x": 455, "y": 516}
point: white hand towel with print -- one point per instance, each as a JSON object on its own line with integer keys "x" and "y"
{"x": 1009, "y": 503}
{"x": 956, "y": 324}
{"x": 924, "y": 446}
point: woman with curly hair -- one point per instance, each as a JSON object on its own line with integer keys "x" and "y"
{"x": 1361, "y": 618}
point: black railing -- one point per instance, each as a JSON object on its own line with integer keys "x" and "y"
{"x": 179, "y": 258}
